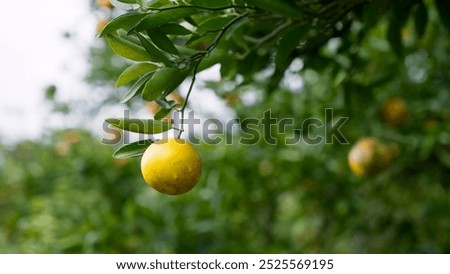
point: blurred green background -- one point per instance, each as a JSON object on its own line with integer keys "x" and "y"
{"x": 65, "y": 193}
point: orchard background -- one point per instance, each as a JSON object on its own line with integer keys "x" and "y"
{"x": 66, "y": 193}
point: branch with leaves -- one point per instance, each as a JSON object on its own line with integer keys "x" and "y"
{"x": 148, "y": 37}
{"x": 172, "y": 41}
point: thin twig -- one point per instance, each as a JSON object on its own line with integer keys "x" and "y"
{"x": 183, "y": 108}
{"x": 272, "y": 34}
{"x": 223, "y": 30}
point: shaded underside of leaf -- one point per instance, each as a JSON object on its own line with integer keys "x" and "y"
{"x": 162, "y": 41}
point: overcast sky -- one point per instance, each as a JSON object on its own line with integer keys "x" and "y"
{"x": 34, "y": 54}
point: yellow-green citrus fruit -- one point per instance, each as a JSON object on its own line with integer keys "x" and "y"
{"x": 171, "y": 166}
{"x": 394, "y": 111}
{"x": 369, "y": 156}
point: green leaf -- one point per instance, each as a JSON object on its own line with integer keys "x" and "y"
{"x": 153, "y": 50}
{"x": 274, "y": 81}
{"x": 166, "y": 104}
{"x": 136, "y": 88}
{"x": 163, "y": 81}
{"x": 288, "y": 42}
{"x": 421, "y": 19}
{"x": 146, "y": 126}
{"x": 278, "y": 6}
{"x": 134, "y": 71}
{"x": 227, "y": 67}
{"x": 186, "y": 51}
{"x": 160, "y": 18}
{"x": 125, "y": 22}
{"x": 215, "y": 23}
{"x": 50, "y": 92}
{"x": 380, "y": 80}
{"x": 210, "y": 4}
{"x": 394, "y": 37}
{"x": 401, "y": 11}
{"x": 166, "y": 107}
{"x": 162, "y": 113}
{"x": 174, "y": 29}
{"x": 162, "y": 42}
{"x": 128, "y": 49}
{"x": 370, "y": 16}
{"x": 135, "y": 149}
{"x": 128, "y": 1}
{"x": 444, "y": 157}
{"x": 191, "y": 21}
{"x": 215, "y": 57}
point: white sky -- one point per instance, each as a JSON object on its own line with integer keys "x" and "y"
{"x": 34, "y": 54}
